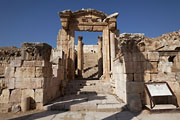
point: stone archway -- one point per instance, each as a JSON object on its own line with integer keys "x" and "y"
{"x": 87, "y": 20}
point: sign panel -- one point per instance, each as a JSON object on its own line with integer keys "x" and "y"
{"x": 158, "y": 89}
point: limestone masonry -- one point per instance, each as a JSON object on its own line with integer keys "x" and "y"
{"x": 35, "y": 74}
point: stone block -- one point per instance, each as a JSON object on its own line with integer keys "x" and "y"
{"x": 147, "y": 77}
{"x": 11, "y": 83}
{"x": 129, "y": 67}
{"x": 136, "y": 56}
{"x": 16, "y": 63}
{"x": 128, "y": 57}
{"x": 144, "y": 56}
{"x": 174, "y": 86}
{"x": 4, "y": 96}
{"x": 36, "y": 63}
{"x": 138, "y": 67}
{"x": 39, "y": 106}
{"x": 177, "y": 94}
{"x": 2, "y": 70}
{"x": 135, "y": 87}
{"x": 5, "y": 107}
{"x": 36, "y": 51}
{"x": 39, "y": 95}
{"x": 39, "y": 72}
{"x": 163, "y": 77}
{"x": 27, "y": 93}
{"x": 130, "y": 77}
{"x": 9, "y": 72}
{"x": 178, "y": 76}
{"x": 153, "y": 56}
{"x": 165, "y": 66}
{"x": 152, "y": 67}
{"x": 25, "y": 72}
{"x": 15, "y": 96}
{"x": 139, "y": 77}
{"x": 134, "y": 102}
{"x": 31, "y": 83}
{"x": 16, "y": 108}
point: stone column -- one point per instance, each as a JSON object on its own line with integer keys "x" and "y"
{"x": 112, "y": 42}
{"x": 80, "y": 62}
{"x": 106, "y": 53}
{"x": 83, "y": 57}
{"x": 100, "y": 55}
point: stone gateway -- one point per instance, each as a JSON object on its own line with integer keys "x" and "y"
{"x": 110, "y": 74}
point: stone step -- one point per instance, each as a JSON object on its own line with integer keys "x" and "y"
{"x": 87, "y": 102}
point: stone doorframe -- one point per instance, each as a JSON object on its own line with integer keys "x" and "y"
{"x": 87, "y": 20}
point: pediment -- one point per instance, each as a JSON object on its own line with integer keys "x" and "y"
{"x": 83, "y": 13}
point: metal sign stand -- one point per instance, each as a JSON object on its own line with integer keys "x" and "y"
{"x": 159, "y": 89}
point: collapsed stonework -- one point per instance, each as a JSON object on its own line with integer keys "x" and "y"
{"x": 140, "y": 59}
{"x": 38, "y": 73}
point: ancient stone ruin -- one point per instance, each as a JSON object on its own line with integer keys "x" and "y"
{"x": 36, "y": 74}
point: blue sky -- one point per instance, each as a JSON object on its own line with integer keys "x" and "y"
{"x": 38, "y": 20}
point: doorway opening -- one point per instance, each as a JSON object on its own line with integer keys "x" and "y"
{"x": 89, "y": 55}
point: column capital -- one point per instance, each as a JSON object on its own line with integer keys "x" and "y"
{"x": 99, "y": 38}
{"x": 80, "y": 38}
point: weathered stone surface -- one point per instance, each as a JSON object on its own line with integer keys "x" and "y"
{"x": 25, "y": 72}
{"x": 39, "y": 106}
{"x": 15, "y": 96}
{"x": 27, "y": 93}
{"x": 36, "y": 63}
{"x": 39, "y": 95}
{"x": 139, "y": 77}
{"x": 163, "y": 77}
{"x": 137, "y": 56}
{"x": 2, "y": 70}
{"x": 11, "y": 83}
{"x": 128, "y": 57}
{"x": 139, "y": 67}
{"x": 152, "y": 67}
{"x": 134, "y": 87}
{"x": 4, "y": 96}
{"x": 9, "y": 53}
{"x": 43, "y": 72}
{"x": 178, "y": 76}
{"x": 5, "y": 107}
{"x": 153, "y": 56}
{"x": 129, "y": 67}
{"x": 39, "y": 72}
{"x": 9, "y": 72}
{"x": 165, "y": 67}
{"x": 36, "y": 51}
{"x": 30, "y": 83}
{"x": 147, "y": 77}
{"x": 16, "y": 63}
{"x": 16, "y": 108}
{"x": 3, "y": 84}
{"x": 134, "y": 102}
{"x": 174, "y": 86}
{"x": 25, "y": 104}
{"x": 130, "y": 77}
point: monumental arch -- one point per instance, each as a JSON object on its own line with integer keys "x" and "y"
{"x": 87, "y": 20}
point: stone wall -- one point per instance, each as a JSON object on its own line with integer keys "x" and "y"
{"x": 89, "y": 48}
{"x": 37, "y": 74}
{"x": 6, "y": 55}
{"x": 141, "y": 59}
